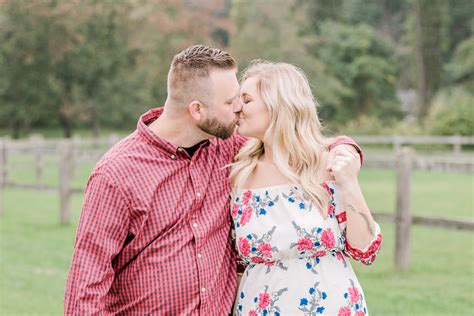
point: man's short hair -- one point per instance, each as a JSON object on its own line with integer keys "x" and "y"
{"x": 189, "y": 73}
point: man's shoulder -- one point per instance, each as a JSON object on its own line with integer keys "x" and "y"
{"x": 227, "y": 148}
{"x": 231, "y": 144}
{"x": 116, "y": 158}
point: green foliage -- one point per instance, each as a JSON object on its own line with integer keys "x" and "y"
{"x": 452, "y": 113}
{"x": 372, "y": 125}
{"x": 363, "y": 64}
{"x": 27, "y": 90}
{"x": 65, "y": 64}
{"x": 282, "y": 38}
{"x": 95, "y": 64}
{"x": 461, "y": 67}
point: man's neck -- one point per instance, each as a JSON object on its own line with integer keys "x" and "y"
{"x": 180, "y": 131}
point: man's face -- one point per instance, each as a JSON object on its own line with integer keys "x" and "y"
{"x": 222, "y": 114}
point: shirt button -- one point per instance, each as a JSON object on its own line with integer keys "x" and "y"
{"x": 203, "y": 289}
{"x": 198, "y": 194}
{"x": 199, "y": 255}
{"x": 195, "y": 225}
{"x": 173, "y": 156}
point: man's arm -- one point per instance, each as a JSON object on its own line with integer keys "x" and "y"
{"x": 102, "y": 230}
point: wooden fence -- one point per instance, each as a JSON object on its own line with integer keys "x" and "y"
{"x": 397, "y": 142}
{"x": 72, "y": 152}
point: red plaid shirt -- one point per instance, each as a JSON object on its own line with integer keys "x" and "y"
{"x": 154, "y": 235}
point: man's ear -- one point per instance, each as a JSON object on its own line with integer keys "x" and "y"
{"x": 195, "y": 109}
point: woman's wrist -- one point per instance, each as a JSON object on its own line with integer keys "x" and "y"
{"x": 349, "y": 184}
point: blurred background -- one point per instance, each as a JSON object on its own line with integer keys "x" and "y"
{"x": 396, "y": 75}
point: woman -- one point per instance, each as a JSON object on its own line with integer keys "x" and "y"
{"x": 296, "y": 218}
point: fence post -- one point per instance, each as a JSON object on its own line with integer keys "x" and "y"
{"x": 65, "y": 172}
{"x": 457, "y": 145}
{"x": 403, "y": 218}
{"x": 3, "y": 173}
{"x": 37, "y": 142}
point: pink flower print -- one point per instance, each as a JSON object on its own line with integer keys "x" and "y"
{"x": 320, "y": 253}
{"x": 247, "y": 196}
{"x": 326, "y": 187}
{"x": 257, "y": 260}
{"x": 263, "y": 300}
{"x": 304, "y": 244}
{"x": 270, "y": 263}
{"x": 354, "y": 294}
{"x": 235, "y": 210}
{"x": 330, "y": 209}
{"x": 253, "y": 313}
{"x": 244, "y": 246}
{"x": 246, "y": 215}
{"x": 327, "y": 239}
{"x": 344, "y": 311}
{"x": 360, "y": 313}
{"x": 265, "y": 249}
{"x": 339, "y": 256}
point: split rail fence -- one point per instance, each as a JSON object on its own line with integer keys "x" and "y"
{"x": 70, "y": 153}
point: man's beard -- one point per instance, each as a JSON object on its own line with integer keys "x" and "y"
{"x": 218, "y": 129}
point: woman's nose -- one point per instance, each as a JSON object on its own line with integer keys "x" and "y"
{"x": 237, "y": 105}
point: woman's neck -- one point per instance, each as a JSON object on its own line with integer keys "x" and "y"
{"x": 267, "y": 154}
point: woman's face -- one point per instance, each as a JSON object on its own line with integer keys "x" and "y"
{"x": 254, "y": 117}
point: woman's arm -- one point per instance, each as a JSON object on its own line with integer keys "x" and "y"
{"x": 361, "y": 227}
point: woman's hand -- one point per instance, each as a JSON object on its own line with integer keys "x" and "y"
{"x": 344, "y": 165}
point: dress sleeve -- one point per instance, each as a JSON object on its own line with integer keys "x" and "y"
{"x": 342, "y": 139}
{"x": 102, "y": 230}
{"x": 241, "y": 264}
{"x": 370, "y": 252}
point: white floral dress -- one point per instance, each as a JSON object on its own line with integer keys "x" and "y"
{"x": 296, "y": 259}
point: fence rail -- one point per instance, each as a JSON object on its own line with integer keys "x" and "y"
{"x": 398, "y": 141}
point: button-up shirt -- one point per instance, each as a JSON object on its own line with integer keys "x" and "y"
{"x": 154, "y": 236}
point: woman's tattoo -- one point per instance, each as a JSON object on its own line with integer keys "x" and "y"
{"x": 366, "y": 218}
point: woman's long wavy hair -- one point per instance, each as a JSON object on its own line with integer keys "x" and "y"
{"x": 294, "y": 131}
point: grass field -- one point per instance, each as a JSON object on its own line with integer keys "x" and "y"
{"x": 35, "y": 250}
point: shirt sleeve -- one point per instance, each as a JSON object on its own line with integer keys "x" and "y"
{"x": 342, "y": 139}
{"x": 369, "y": 253}
{"x": 102, "y": 230}
{"x": 239, "y": 141}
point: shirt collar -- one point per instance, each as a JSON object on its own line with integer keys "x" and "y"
{"x": 155, "y": 140}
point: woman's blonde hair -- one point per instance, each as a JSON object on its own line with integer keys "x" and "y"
{"x": 294, "y": 131}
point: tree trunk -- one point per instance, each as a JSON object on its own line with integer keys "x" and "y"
{"x": 430, "y": 30}
{"x": 16, "y": 129}
{"x": 66, "y": 125}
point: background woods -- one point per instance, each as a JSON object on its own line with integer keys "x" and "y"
{"x": 375, "y": 66}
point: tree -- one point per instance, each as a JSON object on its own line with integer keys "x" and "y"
{"x": 278, "y": 33}
{"x": 430, "y": 40}
{"x": 65, "y": 63}
{"x": 27, "y": 89}
{"x": 364, "y": 64}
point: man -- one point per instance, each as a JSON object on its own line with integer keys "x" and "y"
{"x": 154, "y": 235}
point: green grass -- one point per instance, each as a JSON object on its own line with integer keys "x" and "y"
{"x": 35, "y": 250}
{"x": 440, "y": 280}
{"x": 433, "y": 193}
